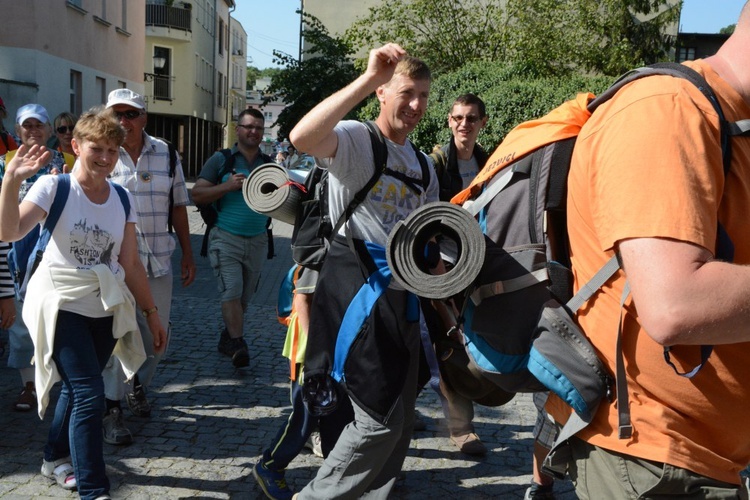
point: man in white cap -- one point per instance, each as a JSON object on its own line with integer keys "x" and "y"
{"x": 161, "y": 197}
{"x": 32, "y": 127}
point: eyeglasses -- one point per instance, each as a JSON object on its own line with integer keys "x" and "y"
{"x": 470, "y": 119}
{"x": 65, "y": 130}
{"x": 251, "y": 127}
{"x": 131, "y": 114}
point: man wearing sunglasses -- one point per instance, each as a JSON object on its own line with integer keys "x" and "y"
{"x": 144, "y": 169}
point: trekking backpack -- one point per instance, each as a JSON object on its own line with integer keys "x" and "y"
{"x": 527, "y": 340}
{"x": 313, "y": 228}
{"x": 209, "y": 212}
{"x": 26, "y": 254}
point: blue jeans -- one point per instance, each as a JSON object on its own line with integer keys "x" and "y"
{"x": 81, "y": 349}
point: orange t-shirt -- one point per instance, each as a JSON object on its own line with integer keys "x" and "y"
{"x": 648, "y": 164}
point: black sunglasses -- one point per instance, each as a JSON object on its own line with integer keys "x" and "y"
{"x": 131, "y": 114}
{"x": 64, "y": 129}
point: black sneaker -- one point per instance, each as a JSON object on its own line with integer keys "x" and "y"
{"x": 137, "y": 402}
{"x": 237, "y": 350}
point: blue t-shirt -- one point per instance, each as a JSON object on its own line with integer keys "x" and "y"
{"x": 234, "y": 215}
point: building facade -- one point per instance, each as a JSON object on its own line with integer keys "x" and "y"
{"x": 46, "y": 54}
{"x": 191, "y": 57}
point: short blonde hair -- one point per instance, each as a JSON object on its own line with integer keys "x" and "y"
{"x": 98, "y": 124}
{"x": 413, "y": 68}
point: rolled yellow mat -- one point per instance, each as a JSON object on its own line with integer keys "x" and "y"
{"x": 269, "y": 191}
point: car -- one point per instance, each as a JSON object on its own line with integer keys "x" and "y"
{"x": 302, "y": 168}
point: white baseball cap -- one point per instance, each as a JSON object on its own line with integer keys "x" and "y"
{"x": 126, "y": 96}
{"x": 31, "y": 111}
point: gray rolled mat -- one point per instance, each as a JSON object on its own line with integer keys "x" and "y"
{"x": 405, "y": 250}
{"x": 268, "y": 191}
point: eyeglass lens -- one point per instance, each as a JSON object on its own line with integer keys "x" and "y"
{"x": 130, "y": 114}
{"x": 64, "y": 129}
{"x": 251, "y": 127}
{"x": 468, "y": 118}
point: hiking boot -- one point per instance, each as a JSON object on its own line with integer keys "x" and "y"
{"x": 235, "y": 349}
{"x": 272, "y": 483}
{"x": 223, "y": 340}
{"x": 313, "y": 444}
{"x": 114, "y": 428}
{"x": 469, "y": 444}
{"x": 419, "y": 422}
{"x": 27, "y": 400}
{"x": 539, "y": 492}
{"x": 137, "y": 402}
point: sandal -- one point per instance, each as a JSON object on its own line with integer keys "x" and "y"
{"x": 61, "y": 471}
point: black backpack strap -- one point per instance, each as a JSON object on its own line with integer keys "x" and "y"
{"x": 172, "y": 169}
{"x": 380, "y": 153}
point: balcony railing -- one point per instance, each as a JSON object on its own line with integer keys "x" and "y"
{"x": 169, "y": 17}
{"x": 163, "y": 88}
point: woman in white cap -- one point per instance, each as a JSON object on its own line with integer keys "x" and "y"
{"x": 81, "y": 300}
{"x": 33, "y": 128}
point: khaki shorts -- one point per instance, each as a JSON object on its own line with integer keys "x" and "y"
{"x": 237, "y": 262}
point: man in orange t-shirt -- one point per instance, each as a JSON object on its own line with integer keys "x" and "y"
{"x": 647, "y": 181}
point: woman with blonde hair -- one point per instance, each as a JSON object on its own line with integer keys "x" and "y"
{"x": 80, "y": 305}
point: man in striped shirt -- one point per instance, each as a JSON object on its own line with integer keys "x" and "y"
{"x": 144, "y": 169}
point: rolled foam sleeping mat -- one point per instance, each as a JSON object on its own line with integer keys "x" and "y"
{"x": 408, "y": 255}
{"x": 269, "y": 191}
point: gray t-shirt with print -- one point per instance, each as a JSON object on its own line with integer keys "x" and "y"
{"x": 390, "y": 200}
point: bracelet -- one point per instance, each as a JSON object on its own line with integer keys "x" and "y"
{"x": 149, "y": 312}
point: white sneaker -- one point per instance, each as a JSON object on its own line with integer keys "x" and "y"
{"x": 313, "y": 444}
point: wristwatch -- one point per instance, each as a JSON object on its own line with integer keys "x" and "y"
{"x": 149, "y": 312}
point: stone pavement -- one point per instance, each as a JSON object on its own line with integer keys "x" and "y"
{"x": 211, "y": 422}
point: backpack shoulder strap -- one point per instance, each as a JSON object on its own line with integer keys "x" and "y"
{"x": 380, "y": 152}
{"x": 228, "y": 162}
{"x": 679, "y": 71}
{"x": 172, "y": 170}
{"x": 172, "y": 158}
{"x": 425, "y": 167}
{"x": 58, "y": 203}
{"x": 123, "y": 194}
{"x": 4, "y": 137}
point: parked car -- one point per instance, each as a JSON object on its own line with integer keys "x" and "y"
{"x": 300, "y": 171}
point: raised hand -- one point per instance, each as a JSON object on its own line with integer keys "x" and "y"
{"x": 382, "y": 61}
{"x": 27, "y": 162}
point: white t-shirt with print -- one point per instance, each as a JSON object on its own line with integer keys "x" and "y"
{"x": 86, "y": 234}
{"x": 390, "y": 200}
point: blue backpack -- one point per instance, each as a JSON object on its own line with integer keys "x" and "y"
{"x": 26, "y": 254}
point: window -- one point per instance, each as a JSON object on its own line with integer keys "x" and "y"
{"x": 75, "y": 92}
{"x": 162, "y": 79}
{"x": 221, "y": 36}
{"x": 220, "y": 89}
{"x": 124, "y": 20}
{"x": 687, "y": 54}
{"x": 101, "y": 89}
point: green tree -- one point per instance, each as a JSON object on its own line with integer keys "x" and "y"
{"x": 546, "y": 36}
{"x": 252, "y": 76}
{"x": 727, "y": 30}
{"x": 303, "y": 84}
